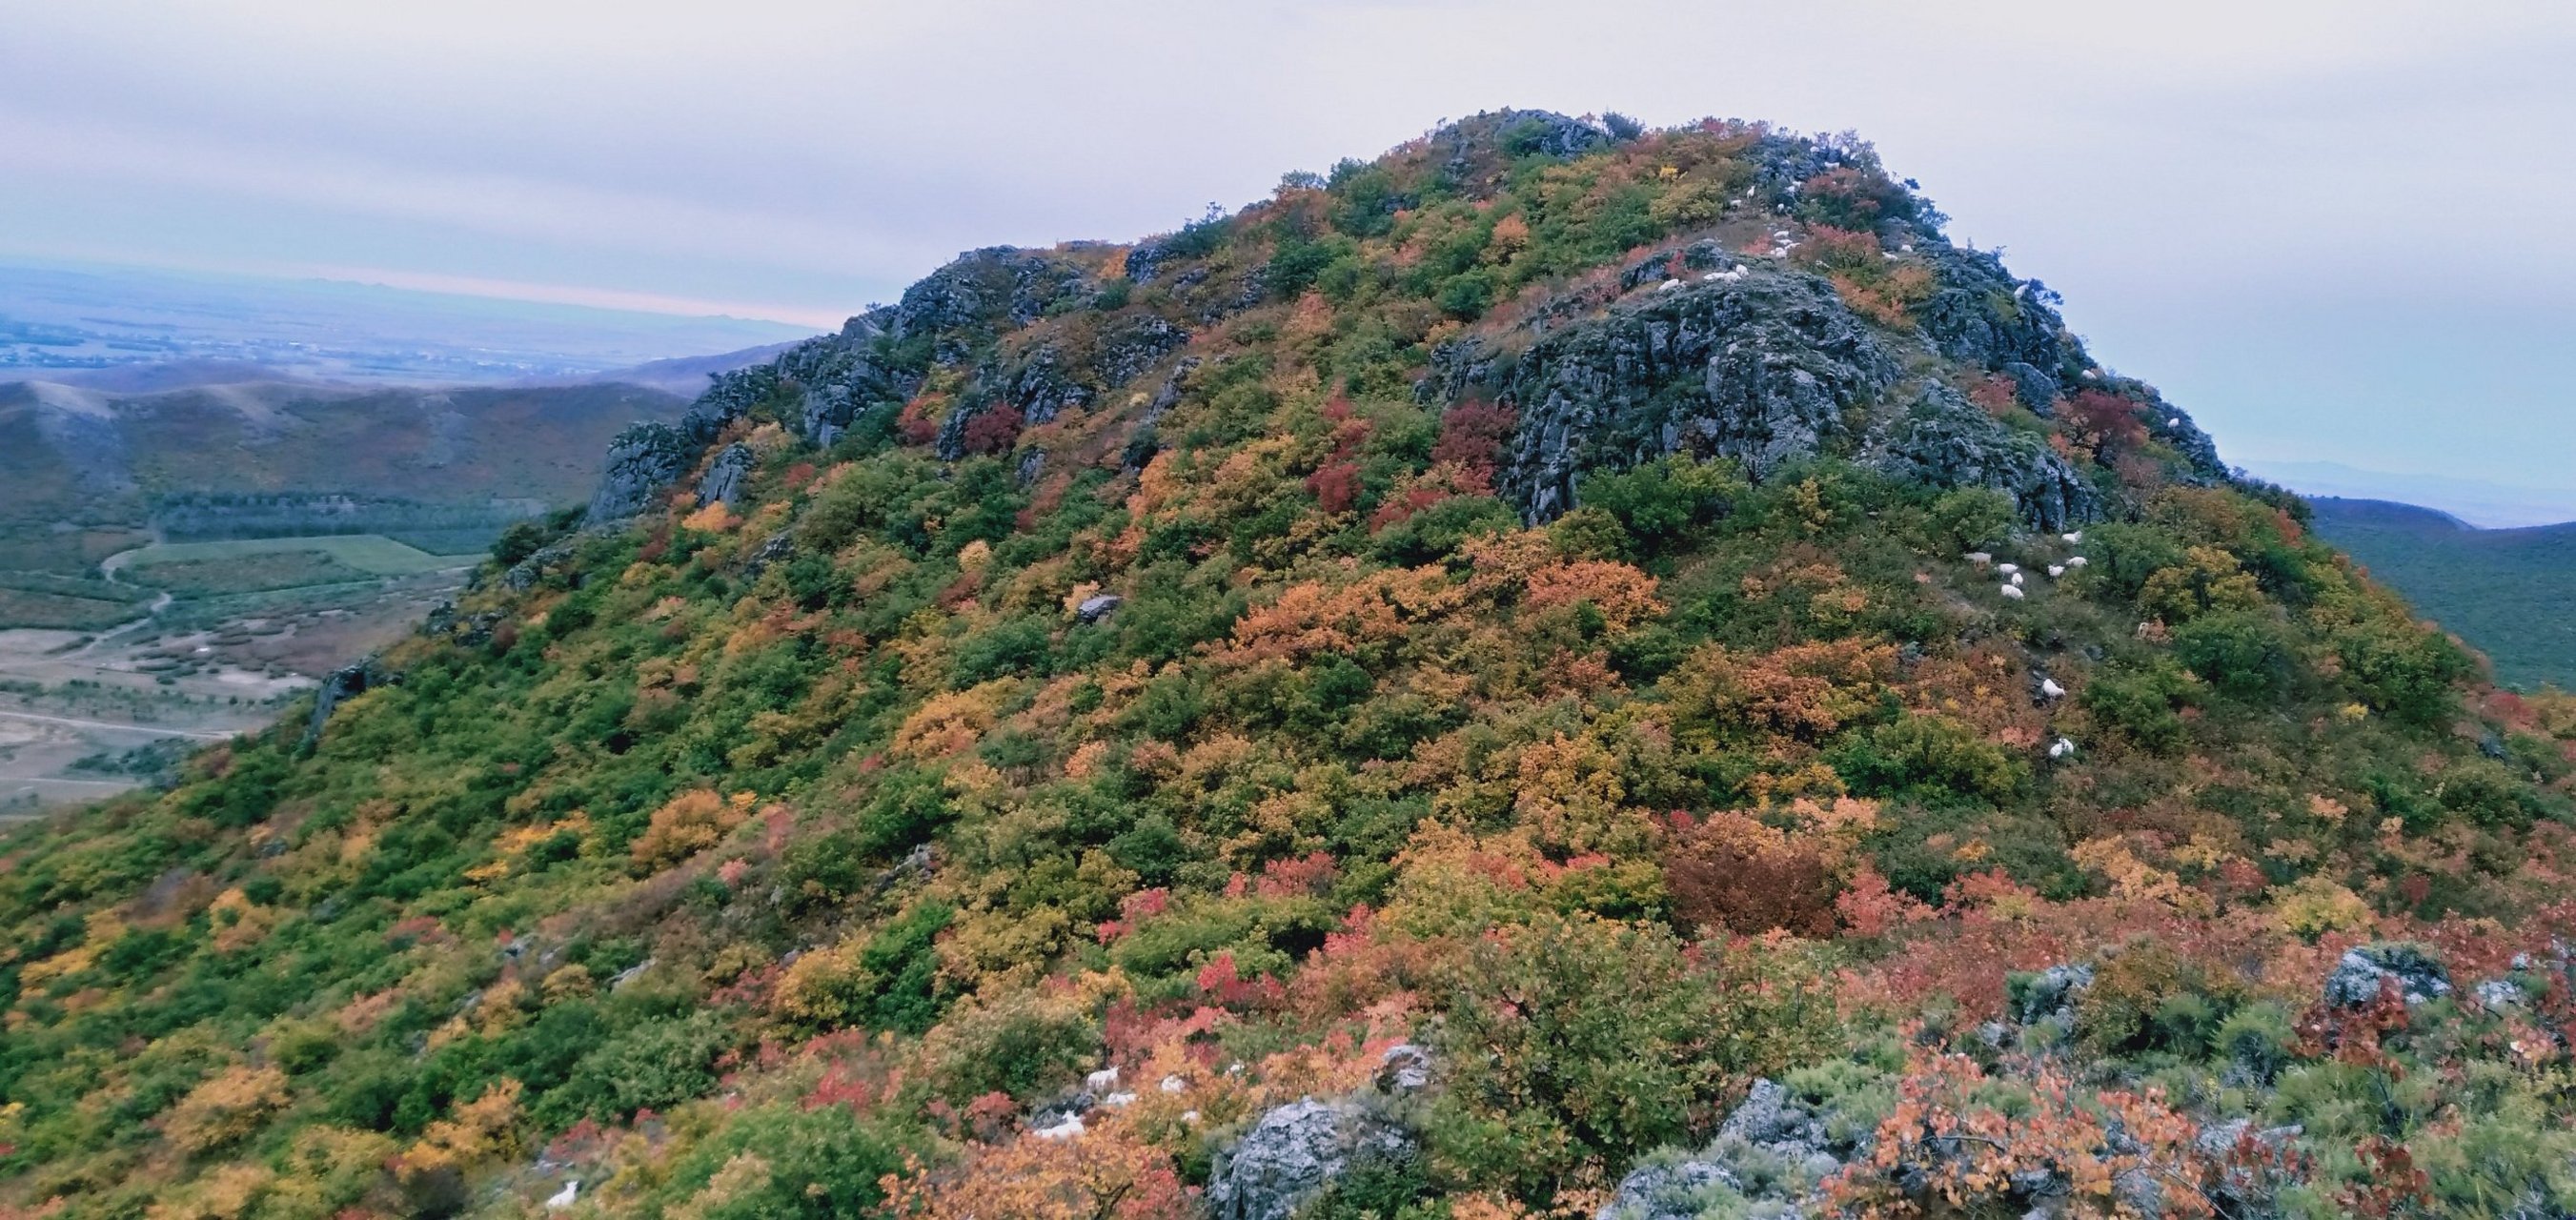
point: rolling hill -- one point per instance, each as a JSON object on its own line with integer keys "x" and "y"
{"x": 2505, "y": 591}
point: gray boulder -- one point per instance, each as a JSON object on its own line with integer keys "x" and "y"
{"x": 2366, "y": 969}
{"x": 1096, "y": 607}
{"x": 1771, "y": 1157}
{"x": 2050, "y": 995}
{"x": 339, "y": 686}
{"x": 726, "y": 476}
{"x": 643, "y": 460}
{"x": 1292, "y": 1153}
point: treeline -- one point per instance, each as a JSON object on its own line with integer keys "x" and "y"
{"x": 204, "y": 517}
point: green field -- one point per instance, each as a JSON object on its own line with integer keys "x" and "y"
{"x": 366, "y": 554}
{"x": 23, "y": 608}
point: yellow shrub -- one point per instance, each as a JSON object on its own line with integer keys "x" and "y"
{"x": 2313, "y": 906}
{"x": 226, "y": 1108}
{"x": 686, "y": 825}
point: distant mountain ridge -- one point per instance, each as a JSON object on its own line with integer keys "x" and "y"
{"x": 2505, "y": 591}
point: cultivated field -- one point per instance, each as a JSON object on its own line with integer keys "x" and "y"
{"x": 211, "y": 638}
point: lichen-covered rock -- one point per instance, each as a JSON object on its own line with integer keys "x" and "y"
{"x": 1293, "y": 1152}
{"x": 1979, "y": 314}
{"x": 643, "y": 460}
{"x": 339, "y": 686}
{"x": 523, "y": 575}
{"x": 2365, "y": 969}
{"x": 2050, "y": 995}
{"x": 1044, "y": 381}
{"x": 1699, "y": 257}
{"x": 961, "y": 306}
{"x": 1763, "y": 370}
{"x": 1771, "y": 1157}
{"x": 1404, "y": 1068}
{"x": 727, "y": 476}
{"x": 1945, "y": 441}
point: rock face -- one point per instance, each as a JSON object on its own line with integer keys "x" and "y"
{"x": 1761, "y": 366}
{"x": 1944, "y": 441}
{"x": 725, "y": 477}
{"x": 1762, "y": 370}
{"x": 641, "y": 462}
{"x": 1292, "y": 1153}
{"x": 342, "y": 684}
{"x": 2359, "y": 977}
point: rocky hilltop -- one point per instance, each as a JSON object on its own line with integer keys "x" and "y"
{"x": 1565, "y": 670}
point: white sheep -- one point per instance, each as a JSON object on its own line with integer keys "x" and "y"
{"x": 2049, "y": 689}
{"x": 1979, "y": 558}
{"x": 2062, "y": 748}
{"x": 1174, "y": 1084}
{"x": 562, "y": 1199}
{"x": 2056, "y": 570}
{"x": 2173, "y": 421}
{"x": 1068, "y": 1129}
{"x": 1102, "y": 1081}
{"x": 2007, "y": 568}
{"x": 1668, "y": 286}
{"x": 2073, "y": 536}
{"x": 2016, "y": 578}
{"x": 2076, "y": 561}
{"x": 2013, "y": 591}
{"x": 1116, "y": 1100}
{"x": 1712, "y": 277}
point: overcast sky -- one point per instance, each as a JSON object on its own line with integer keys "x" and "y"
{"x": 2335, "y": 230}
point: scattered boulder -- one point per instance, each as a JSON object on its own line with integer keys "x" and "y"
{"x": 1293, "y": 1152}
{"x": 2050, "y": 995}
{"x": 2365, "y": 970}
{"x": 1405, "y": 1068}
{"x": 1096, "y": 607}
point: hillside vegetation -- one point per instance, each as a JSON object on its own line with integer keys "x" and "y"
{"x": 1566, "y": 670}
{"x": 2505, "y": 591}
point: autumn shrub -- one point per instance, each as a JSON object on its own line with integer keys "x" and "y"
{"x": 780, "y": 1161}
{"x": 1026, "y": 1045}
{"x": 686, "y": 825}
{"x": 226, "y": 1109}
{"x": 889, "y": 980}
{"x": 2246, "y": 655}
{"x": 2141, "y": 702}
{"x": 1576, "y": 1043}
{"x": 1731, "y": 873}
{"x": 651, "y": 1066}
{"x": 1667, "y": 503}
{"x": 1928, "y": 755}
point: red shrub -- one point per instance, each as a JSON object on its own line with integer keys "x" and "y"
{"x": 994, "y": 430}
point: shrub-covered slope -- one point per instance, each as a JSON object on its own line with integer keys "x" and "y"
{"x": 1564, "y": 670}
